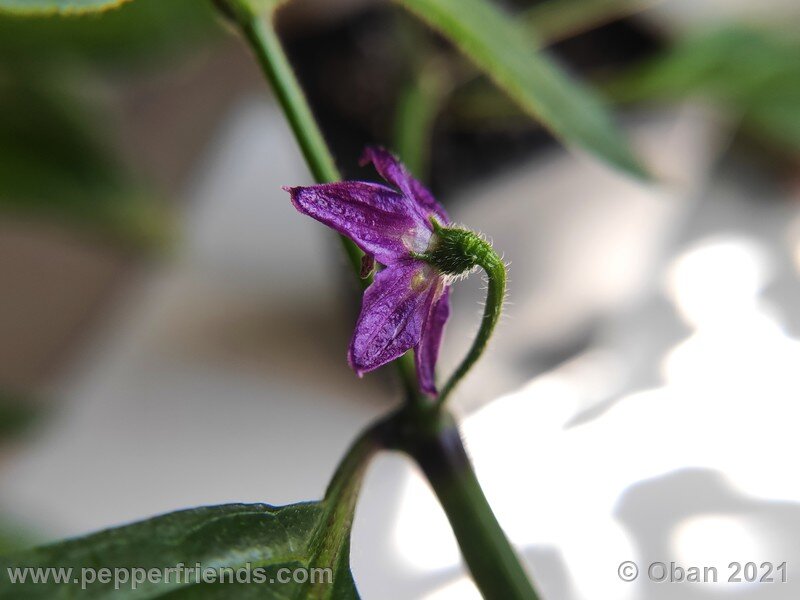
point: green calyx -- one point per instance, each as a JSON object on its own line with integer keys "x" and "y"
{"x": 455, "y": 251}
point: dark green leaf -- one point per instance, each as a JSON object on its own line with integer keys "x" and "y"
{"x": 226, "y": 538}
{"x": 505, "y": 51}
{"x": 61, "y": 7}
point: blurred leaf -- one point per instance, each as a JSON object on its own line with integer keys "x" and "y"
{"x": 16, "y": 414}
{"x": 753, "y": 72}
{"x": 137, "y": 33}
{"x": 479, "y": 106}
{"x": 230, "y": 536}
{"x": 777, "y": 119}
{"x": 58, "y": 7}
{"x": 422, "y": 97}
{"x": 12, "y": 538}
{"x": 53, "y": 165}
{"x": 417, "y": 107}
{"x": 505, "y": 51}
{"x": 555, "y": 20}
{"x": 8, "y": 541}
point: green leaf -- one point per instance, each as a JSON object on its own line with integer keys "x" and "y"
{"x": 754, "y": 73}
{"x": 225, "y": 538}
{"x": 734, "y": 62}
{"x": 506, "y": 53}
{"x": 58, "y": 7}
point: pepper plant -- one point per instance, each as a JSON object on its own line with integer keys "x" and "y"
{"x": 407, "y": 255}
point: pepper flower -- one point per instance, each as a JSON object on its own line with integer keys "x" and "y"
{"x": 407, "y": 304}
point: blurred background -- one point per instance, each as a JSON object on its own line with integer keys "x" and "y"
{"x": 173, "y": 334}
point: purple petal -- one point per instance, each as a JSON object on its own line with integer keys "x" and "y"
{"x": 393, "y": 171}
{"x": 380, "y": 221}
{"x": 428, "y": 350}
{"x": 393, "y": 313}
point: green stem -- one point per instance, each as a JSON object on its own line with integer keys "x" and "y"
{"x": 265, "y": 43}
{"x": 264, "y": 40}
{"x": 331, "y": 547}
{"x": 435, "y": 445}
{"x": 495, "y": 270}
{"x": 432, "y": 439}
{"x": 351, "y": 468}
{"x": 259, "y": 31}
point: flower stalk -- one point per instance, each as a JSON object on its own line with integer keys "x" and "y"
{"x": 495, "y": 296}
{"x": 456, "y": 252}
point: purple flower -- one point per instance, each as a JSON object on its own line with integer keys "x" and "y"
{"x": 407, "y": 304}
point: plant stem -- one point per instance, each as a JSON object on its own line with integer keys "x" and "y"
{"x": 495, "y": 295}
{"x": 259, "y": 31}
{"x": 435, "y": 445}
{"x": 263, "y": 39}
{"x": 351, "y": 468}
{"x": 331, "y": 541}
{"x": 431, "y": 438}
{"x": 345, "y": 484}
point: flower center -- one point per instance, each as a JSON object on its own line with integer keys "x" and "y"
{"x": 416, "y": 240}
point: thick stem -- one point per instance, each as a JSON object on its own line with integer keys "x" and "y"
{"x": 351, "y": 468}
{"x": 495, "y": 295}
{"x": 331, "y": 541}
{"x": 437, "y": 448}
